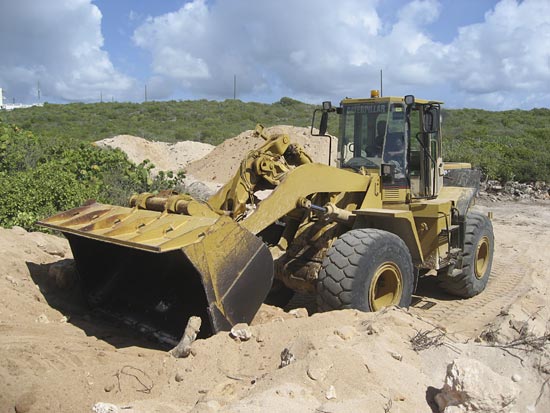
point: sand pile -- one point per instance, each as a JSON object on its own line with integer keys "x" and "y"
{"x": 222, "y": 163}
{"x": 165, "y": 156}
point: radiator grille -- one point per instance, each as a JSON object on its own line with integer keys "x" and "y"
{"x": 391, "y": 194}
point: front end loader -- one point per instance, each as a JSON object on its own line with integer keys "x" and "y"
{"x": 358, "y": 234}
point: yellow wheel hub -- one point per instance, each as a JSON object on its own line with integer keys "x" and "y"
{"x": 482, "y": 258}
{"x": 386, "y": 287}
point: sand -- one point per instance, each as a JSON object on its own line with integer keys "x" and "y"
{"x": 164, "y": 156}
{"x": 57, "y": 356}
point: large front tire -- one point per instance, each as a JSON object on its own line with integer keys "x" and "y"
{"x": 477, "y": 259}
{"x": 367, "y": 269}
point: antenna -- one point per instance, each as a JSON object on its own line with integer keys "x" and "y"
{"x": 38, "y": 90}
{"x": 101, "y": 96}
{"x": 381, "y": 89}
{"x": 234, "y": 87}
{"x": 146, "y": 92}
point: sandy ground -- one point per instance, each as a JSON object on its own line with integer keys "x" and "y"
{"x": 56, "y": 356}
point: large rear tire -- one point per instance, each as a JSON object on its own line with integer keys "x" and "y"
{"x": 366, "y": 269}
{"x": 477, "y": 259}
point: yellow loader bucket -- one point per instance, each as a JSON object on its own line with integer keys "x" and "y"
{"x": 165, "y": 267}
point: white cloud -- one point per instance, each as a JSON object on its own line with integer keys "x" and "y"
{"x": 59, "y": 44}
{"x": 315, "y": 49}
{"x": 505, "y": 59}
{"x": 308, "y": 49}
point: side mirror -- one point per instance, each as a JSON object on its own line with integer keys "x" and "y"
{"x": 323, "y": 121}
{"x": 323, "y": 126}
{"x": 431, "y": 119}
{"x": 409, "y": 100}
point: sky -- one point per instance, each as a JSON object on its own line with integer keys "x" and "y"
{"x": 489, "y": 54}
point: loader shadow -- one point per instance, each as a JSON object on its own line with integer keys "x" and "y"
{"x": 59, "y": 284}
{"x": 428, "y": 288}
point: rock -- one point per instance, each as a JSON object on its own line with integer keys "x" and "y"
{"x": 101, "y": 407}
{"x": 516, "y": 378}
{"x": 346, "y": 332}
{"x": 286, "y": 358}
{"x": 63, "y": 273}
{"x": 199, "y": 190}
{"x": 183, "y": 349}
{"x": 396, "y": 356}
{"x": 299, "y": 312}
{"x": 318, "y": 367}
{"x": 475, "y": 387}
{"x": 42, "y": 319}
{"x": 370, "y": 328}
{"x": 179, "y": 377}
{"x": 241, "y": 332}
{"x": 25, "y": 402}
{"x": 330, "y": 393}
{"x": 109, "y": 388}
{"x": 12, "y": 280}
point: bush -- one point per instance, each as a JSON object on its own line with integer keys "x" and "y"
{"x": 38, "y": 180}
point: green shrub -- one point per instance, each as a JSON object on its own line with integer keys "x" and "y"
{"x": 37, "y": 180}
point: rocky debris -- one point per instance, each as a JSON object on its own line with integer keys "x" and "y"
{"x": 42, "y": 319}
{"x": 516, "y": 327}
{"x": 299, "y": 312}
{"x": 330, "y": 393}
{"x": 102, "y": 407}
{"x": 286, "y": 357}
{"x": 474, "y": 387}
{"x": 197, "y": 189}
{"x": 318, "y": 367}
{"x": 397, "y": 356}
{"x": 12, "y": 280}
{"x": 183, "y": 349}
{"x": 179, "y": 377}
{"x": 241, "y": 332}
{"x": 496, "y": 191}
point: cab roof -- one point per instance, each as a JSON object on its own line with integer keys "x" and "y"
{"x": 391, "y": 99}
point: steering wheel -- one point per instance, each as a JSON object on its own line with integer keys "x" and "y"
{"x": 358, "y": 162}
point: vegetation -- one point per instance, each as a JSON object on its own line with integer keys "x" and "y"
{"x": 54, "y": 167}
{"x": 202, "y": 120}
{"x": 508, "y": 145}
{"x": 40, "y": 177}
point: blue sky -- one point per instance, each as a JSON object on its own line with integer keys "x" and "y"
{"x": 492, "y": 54}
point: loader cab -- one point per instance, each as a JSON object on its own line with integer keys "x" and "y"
{"x": 398, "y": 138}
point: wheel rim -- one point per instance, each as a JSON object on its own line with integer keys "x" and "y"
{"x": 387, "y": 287}
{"x": 482, "y": 257}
